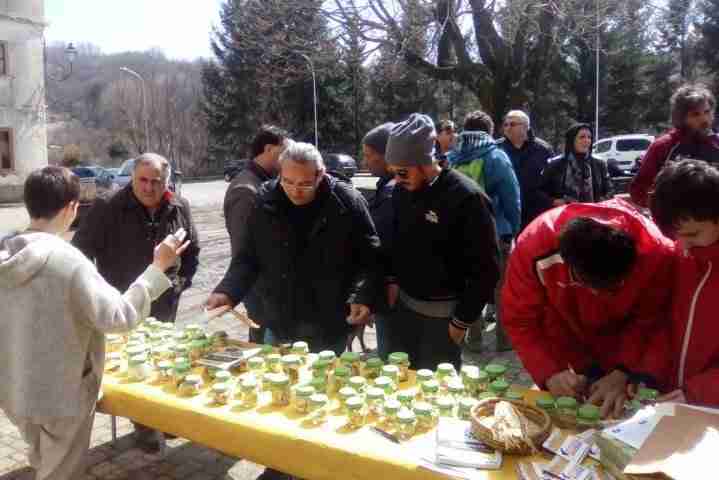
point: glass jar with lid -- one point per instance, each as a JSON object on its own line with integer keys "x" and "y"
{"x": 191, "y": 386}
{"x": 138, "y": 368}
{"x": 391, "y": 409}
{"x": 181, "y": 370}
{"x": 291, "y": 367}
{"x": 406, "y": 424}
{"x": 273, "y": 363}
{"x": 302, "y": 398}
{"x": 301, "y": 349}
{"x": 345, "y": 394}
{"x": 352, "y": 361}
{"x": 192, "y": 331}
{"x": 566, "y": 406}
{"x": 499, "y": 387}
{"x": 179, "y": 337}
{"x": 133, "y": 350}
{"x": 430, "y": 391}
{"x": 196, "y": 349}
{"x": 495, "y": 371}
{"x": 391, "y": 371}
{"x": 588, "y": 416}
{"x": 340, "y": 377}
{"x": 546, "y": 403}
{"x": 181, "y": 350}
{"x": 358, "y": 383}
{"x": 424, "y": 375}
{"x": 445, "y": 373}
{"x": 161, "y": 352}
{"x": 445, "y": 406}
{"x": 321, "y": 369}
{"x": 455, "y": 389}
{"x": 406, "y": 397}
{"x": 426, "y": 416}
{"x": 256, "y": 366}
{"x": 375, "y": 400}
{"x": 221, "y": 393}
{"x": 249, "y": 389}
{"x": 401, "y": 360}
{"x": 514, "y": 395}
{"x": 328, "y": 356}
{"x": 223, "y": 376}
{"x": 164, "y": 371}
{"x": 318, "y": 406}
{"x": 464, "y": 408}
{"x": 356, "y": 412}
{"x": 372, "y": 368}
{"x": 280, "y": 388}
{"x": 266, "y": 350}
{"x": 319, "y": 384}
{"x": 386, "y": 384}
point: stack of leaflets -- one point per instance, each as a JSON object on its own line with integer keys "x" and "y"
{"x": 228, "y": 358}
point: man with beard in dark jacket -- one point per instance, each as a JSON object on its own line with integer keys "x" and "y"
{"x": 310, "y": 252}
{"x": 693, "y": 108}
{"x": 444, "y": 252}
{"x": 529, "y": 156}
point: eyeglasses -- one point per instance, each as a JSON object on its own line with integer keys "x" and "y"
{"x": 300, "y": 187}
{"x": 402, "y": 173}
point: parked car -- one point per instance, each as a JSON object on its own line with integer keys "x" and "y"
{"x": 340, "y": 163}
{"x": 93, "y": 181}
{"x": 233, "y": 167}
{"x": 621, "y": 152}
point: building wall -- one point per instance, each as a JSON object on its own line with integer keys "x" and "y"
{"x": 22, "y": 92}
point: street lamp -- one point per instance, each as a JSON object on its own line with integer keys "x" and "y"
{"x": 144, "y": 102}
{"x": 314, "y": 95}
{"x": 70, "y": 56}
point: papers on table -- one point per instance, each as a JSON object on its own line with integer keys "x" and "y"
{"x": 635, "y": 430}
{"x": 228, "y": 358}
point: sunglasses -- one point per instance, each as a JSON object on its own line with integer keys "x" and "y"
{"x": 300, "y": 187}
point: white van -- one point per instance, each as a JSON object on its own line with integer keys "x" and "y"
{"x": 621, "y": 152}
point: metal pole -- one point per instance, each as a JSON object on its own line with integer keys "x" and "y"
{"x": 314, "y": 96}
{"x": 596, "y": 95}
{"x": 144, "y": 104}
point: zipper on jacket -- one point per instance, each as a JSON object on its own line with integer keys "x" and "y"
{"x": 690, "y": 324}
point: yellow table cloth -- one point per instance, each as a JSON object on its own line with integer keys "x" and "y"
{"x": 275, "y": 437}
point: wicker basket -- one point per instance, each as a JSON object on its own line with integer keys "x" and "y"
{"x": 540, "y": 425}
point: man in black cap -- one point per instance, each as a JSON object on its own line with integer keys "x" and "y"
{"x": 374, "y": 146}
{"x": 444, "y": 262}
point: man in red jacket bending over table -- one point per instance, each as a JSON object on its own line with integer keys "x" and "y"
{"x": 587, "y": 284}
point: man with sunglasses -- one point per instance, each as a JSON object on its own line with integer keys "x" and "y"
{"x": 444, "y": 267}
{"x": 529, "y": 155}
{"x": 310, "y": 251}
{"x": 585, "y": 288}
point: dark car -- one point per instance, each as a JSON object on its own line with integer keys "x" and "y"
{"x": 103, "y": 178}
{"x": 341, "y": 163}
{"x": 93, "y": 181}
{"x": 233, "y": 167}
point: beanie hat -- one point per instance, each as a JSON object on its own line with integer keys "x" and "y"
{"x": 377, "y": 137}
{"x": 411, "y": 143}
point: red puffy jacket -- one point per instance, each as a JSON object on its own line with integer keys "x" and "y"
{"x": 554, "y": 322}
{"x": 673, "y": 145}
{"x": 690, "y": 344}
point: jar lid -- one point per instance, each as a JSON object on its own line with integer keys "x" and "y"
{"x": 182, "y": 348}
{"x": 280, "y": 379}
{"x": 647, "y": 394}
{"x": 392, "y": 405}
{"x": 193, "y": 379}
{"x": 342, "y": 372}
{"x": 483, "y": 376}
{"x": 383, "y": 382}
{"x": 398, "y": 357}
{"x": 354, "y": 403}
{"x": 305, "y": 391}
{"x": 256, "y": 361}
{"x": 445, "y": 368}
{"x": 291, "y": 359}
{"x": 267, "y": 349}
{"x": 546, "y": 401}
{"x": 470, "y": 370}
{"x": 319, "y": 383}
{"x": 137, "y": 337}
{"x": 347, "y": 392}
{"x": 514, "y": 395}
{"x": 321, "y": 364}
{"x": 137, "y": 359}
{"x": 350, "y": 357}
{"x": 406, "y": 395}
{"x": 424, "y": 375}
{"x": 300, "y": 346}
{"x": 467, "y": 403}
{"x": 495, "y": 369}
{"x": 430, "y": 386}
{"x": 422, "y": 408}
{"x": 445, "y": 402}
{"x": 223, "y": 375}
{"x": 375, "y": 393}
{"x": 157, "y": 336}
{"x": 220, "y": 387}
{"x": 589, "y": 412}
{"x": 319, "y": 399}
{"x": 566, "y": 402}
{"x": 274, "y": 358}
{"x": 499, "y": 386}
{"x": 327, "y": 355}
{"x": 455, "y": 386}
{"x": 357, "y": 382}
{"x": 164, "y": 365}
{"x": 474, "y": 376}
{"x": 406, "y": 416}
{"x": 391, "y": 370}
{"x": 248, "y": 383}
{"x": 375, "y": 362}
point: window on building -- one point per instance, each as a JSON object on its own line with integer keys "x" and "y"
{"x": 3, "y": 59}
{"x": 6, "y": 154}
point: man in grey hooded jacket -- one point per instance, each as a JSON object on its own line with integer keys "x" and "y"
{"x": 57, "y": 309}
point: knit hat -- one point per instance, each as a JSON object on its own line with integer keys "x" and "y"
{"x": 377, "y": 137}
{"x": 411, "y": 143}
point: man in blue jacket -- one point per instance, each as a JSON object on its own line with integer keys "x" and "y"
{"x": 478, "y": 156}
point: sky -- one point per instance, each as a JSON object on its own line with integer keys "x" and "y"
{"x": 178, "y": 27}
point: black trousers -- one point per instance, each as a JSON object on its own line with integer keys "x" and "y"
{"x": 425, "y": 339}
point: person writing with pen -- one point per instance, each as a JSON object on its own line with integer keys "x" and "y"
{"x": 583, "y": 294}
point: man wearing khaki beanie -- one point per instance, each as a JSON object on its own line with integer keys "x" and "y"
{"x": 444, "y": 265}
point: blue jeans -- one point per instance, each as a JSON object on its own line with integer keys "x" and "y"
{"x": 316, "y": 344}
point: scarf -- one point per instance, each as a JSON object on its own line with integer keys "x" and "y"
{"x": 578, "y": 179}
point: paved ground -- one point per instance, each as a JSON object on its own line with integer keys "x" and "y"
{"x": 183, "y": 459}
